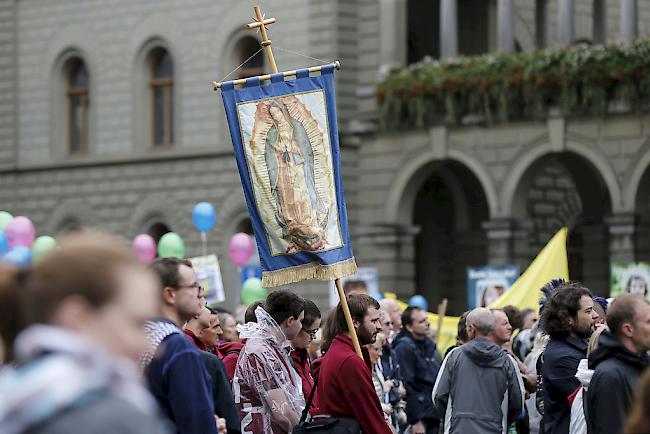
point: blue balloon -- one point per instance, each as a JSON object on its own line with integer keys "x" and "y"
{"x": 419, "y": 301}
{"x": 204, "y": 216}
{"x": 19, "y": 256}
{"x": 4, "y": 243}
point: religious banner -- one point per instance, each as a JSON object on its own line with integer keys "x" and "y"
{"x": 285, "y": 137}
{"x": 633, "y": 278}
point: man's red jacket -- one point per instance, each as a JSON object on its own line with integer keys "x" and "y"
{"x": 229, "y": 353}
{"x": 345, "y": 387}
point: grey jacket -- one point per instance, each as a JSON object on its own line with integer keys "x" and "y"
{"x": 478, "y": 389}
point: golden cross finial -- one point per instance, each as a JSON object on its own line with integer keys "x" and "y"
{"x": 260, "y": 24}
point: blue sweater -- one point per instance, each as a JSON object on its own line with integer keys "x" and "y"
{"x": 178, "y": 380}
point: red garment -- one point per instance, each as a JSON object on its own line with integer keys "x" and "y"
{"x": 195, "y": 339}
{"x": 345, "y": 387}
{"x": 229, "y": 353}
{"x": 300, "y": 359}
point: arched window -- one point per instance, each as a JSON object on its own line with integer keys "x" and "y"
{"x": 78, "y": 104}
{"x": 162, "y": 97}
{"x": 245, "y": 48}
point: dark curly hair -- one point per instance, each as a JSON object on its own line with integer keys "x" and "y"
{"x": 563, "y": 305}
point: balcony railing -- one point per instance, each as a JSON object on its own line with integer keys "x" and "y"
{"x": 497, "y": 88}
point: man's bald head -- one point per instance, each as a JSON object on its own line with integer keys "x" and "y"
{"x": 394, "y": 312}
{"x": 480, "y": 323}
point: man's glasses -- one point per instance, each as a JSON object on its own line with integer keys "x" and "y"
{"x": 195, "y": 286}
{"x": 311, "y": 333}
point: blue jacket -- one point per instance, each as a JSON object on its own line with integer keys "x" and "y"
{"x": 419, "y": 362}
{"x": 561, "y": 359}
{"x": 178, "y": 380}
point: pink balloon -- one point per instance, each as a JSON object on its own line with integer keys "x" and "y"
{"x": 20, "y": 232}
{"x": 240, "y": 248}
{"x": 144, "y": 247}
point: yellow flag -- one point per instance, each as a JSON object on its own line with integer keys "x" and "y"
{"x": 551, "y": 263}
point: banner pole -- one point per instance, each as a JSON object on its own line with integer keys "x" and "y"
{"x": 261, "y": 24}
{"x": 348, "y": 318}
{"x": 442, "y": 311}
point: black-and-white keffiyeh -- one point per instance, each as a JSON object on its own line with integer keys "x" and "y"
{"x": 156, "y": 332}
{"x": 57, "y": 368}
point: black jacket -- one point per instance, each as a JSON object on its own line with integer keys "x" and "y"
{"x": 224, "y": 403}
{"x": 611, "y": 391}
{"x": 561, "y": 359}
{"x": 419, "y": 362}
{"x": 390, "y": 369}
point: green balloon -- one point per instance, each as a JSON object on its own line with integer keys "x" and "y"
{"x": 171, "y": 245}
{"x": 41, "y": 246}
{"x": 252, "y": 291}
{"x": 5, "y": 218}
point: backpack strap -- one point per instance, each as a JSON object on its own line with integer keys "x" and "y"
{"x": 305, "y": 412}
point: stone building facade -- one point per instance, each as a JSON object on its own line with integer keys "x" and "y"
{"x": 422, "y": 205}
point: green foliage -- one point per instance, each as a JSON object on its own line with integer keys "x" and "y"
{"x": 579, "y": 80}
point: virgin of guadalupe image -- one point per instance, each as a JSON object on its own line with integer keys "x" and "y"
{"x": 299, "y": 210}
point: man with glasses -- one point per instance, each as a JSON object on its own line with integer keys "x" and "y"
{"x": 266, "y": 387}
{"x": 173, "y": 367}
{"x": 299, "y": 355}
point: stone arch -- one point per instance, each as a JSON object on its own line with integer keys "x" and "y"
{"x": 445, "y": 202}
{"x": 589, "y": 154}
{"x": 560, "y": 189}
{"x": 411, "y": 173}
{"x": 71, "y": 213}
{"x": 641, "y": 181}
{"x": 633, "y": 185}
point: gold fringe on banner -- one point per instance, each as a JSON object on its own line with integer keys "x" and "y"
{"x": 313, "y": 270}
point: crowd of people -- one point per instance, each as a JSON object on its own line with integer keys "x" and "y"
{"x": 95, "y": 342}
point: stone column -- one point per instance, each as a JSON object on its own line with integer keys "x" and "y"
{"x": 628, "y": 20}
{"x": 600, "y": 22}
{"x": 505, "y": 27}
{"x": 448, "y": 28}
{"x": 507, "y": 242}
{"x": 566, "y": 22}
{"x": 540, "y": 24}
{"x": 392, "y": 38}
{"x": 622, "y": 229}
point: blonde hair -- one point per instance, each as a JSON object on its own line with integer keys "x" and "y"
{"x": 380, "y": 340}
{"x": 593, "y": 341}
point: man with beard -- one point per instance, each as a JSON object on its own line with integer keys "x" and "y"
{"x": 345, "y": 387}
{"x": 568, "y": 318}
{"x": 267, "y": 389}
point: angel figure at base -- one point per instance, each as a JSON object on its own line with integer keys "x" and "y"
{"x": 289, "y": 156}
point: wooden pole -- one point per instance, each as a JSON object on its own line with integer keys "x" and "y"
{"x": 348, "y": 318}
{"x": 442, "y": 311}
{"x": 261, "y": 24}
